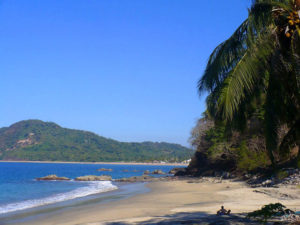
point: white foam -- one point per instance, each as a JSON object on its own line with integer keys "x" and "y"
{"x": 93, "y": 187}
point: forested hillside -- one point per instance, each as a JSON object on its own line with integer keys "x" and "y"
{"x": 38, "y": 140}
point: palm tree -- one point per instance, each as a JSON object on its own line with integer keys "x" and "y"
{"x": 261, "y": 60}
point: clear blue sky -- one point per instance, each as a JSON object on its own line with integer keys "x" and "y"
{"x": 124, "y": 69}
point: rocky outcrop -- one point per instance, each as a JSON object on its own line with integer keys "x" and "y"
{"x": 52, "y": 177}
{"x": 159, "y": 172}
{"x": 146, "y": 178}
{"x": 146, "y": 172}
{"x": 176, "y": 170}
{"x": 219, "y": 151}
{"x": 104, "y": 169}
{"x": 286, "y": 176}
{"x": 93, "y": 178}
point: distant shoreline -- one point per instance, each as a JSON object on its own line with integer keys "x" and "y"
{"x": 108, "y": 163}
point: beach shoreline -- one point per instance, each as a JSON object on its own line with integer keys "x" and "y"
{"x": 107, "y": 163}
{"x": 169, "y": 200}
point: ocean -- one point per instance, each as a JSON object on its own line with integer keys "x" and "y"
{"x": 20, "y": 191}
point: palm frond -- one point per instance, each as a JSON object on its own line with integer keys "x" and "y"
{"x": 244, "y": 76}
{"x": 223, "y": 59}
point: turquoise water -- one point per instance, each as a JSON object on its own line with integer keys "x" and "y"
{"x": 20, "y": 191}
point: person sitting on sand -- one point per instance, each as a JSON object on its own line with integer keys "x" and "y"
{"x": 223, "y": 211}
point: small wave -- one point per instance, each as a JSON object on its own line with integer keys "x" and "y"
{"x": 93, "y": 187}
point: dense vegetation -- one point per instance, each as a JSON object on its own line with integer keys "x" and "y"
{"x": 38, "y": 140}
{"x": 253, "y": 83}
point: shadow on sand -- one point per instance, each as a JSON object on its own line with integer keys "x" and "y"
{"x": 198, "y": 218}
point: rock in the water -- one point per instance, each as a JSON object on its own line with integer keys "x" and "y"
{"x": 52, "y": 177}
{"x": 146, "y": 172}
{"x": 93, "y": 178}
{"x": 104, "y": 169}
{"x": 136, "y": 179}
{"x": 125, "y": 170}
{"x": 158, "y": 172}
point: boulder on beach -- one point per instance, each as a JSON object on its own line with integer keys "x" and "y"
{"x": 160, "y": 172}
{"x": 146, "y": 172}
{"x": 175, "y": 170}
{"x": 104, "y": 169}
{"x": 52, "y": 177}
{"x": 93, "y": 178}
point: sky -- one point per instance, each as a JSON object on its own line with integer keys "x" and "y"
{"x": 124, "y": 69}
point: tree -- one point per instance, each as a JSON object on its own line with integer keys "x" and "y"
{"x": 260, "y": 63}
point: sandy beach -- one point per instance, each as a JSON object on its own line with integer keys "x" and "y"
{"x": 182, "y": 200}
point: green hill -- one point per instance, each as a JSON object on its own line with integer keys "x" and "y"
{"x": 38, "y": 140}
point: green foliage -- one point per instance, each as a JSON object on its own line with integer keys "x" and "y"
{"x": 250, "y": 160}
{"x": 259, "y": 63}
{"x": 217, "y": 139}
{"x": 282, "y": 174}
{"x": 269, "y": 211}
{"x": 216, "y": 134}
{"x": 48, "y": 141}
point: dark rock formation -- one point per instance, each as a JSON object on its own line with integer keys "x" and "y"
{"x": 160, "y": 172}
{"x": 93, "y": 178}
{"x": 136, "y": 179}
{"x": 176, "y": 170}
{"x": 52, "y": 177}
{"x": 104, "y": 169}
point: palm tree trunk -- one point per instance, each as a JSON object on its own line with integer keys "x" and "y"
{"x": 297, "y": 4}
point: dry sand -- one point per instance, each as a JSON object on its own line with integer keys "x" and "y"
{"x": 169, "y": 200}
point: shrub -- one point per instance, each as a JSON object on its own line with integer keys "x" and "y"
{"x": 282, "y": 174}
{"x": 249, "y": 160}
{"x": 269, "y": 211}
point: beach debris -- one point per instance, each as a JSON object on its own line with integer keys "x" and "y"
{"x": 52, "y": 177}
{"x": 104, "y": 169}
{"x": 286, "y": 176}
{"x": 160, "y": 172}
{"x": 293, "y": 218}
{"x": 93, "y": 178}
{"x": 267, "y": 183}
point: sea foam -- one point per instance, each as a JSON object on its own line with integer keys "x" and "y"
{"x": 93, "y": 187}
